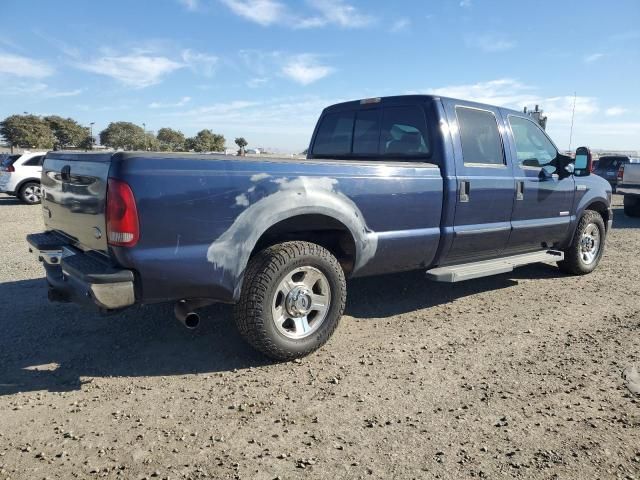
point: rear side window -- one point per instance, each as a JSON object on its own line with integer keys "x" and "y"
{"x": 334, "y": 134}
{"x": 480, "y": 138}
{"x": 34, "y": 161}
{"x": 404, "y": 132}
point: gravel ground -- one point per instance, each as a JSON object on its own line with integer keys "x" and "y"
{"x": 517, "y": 375}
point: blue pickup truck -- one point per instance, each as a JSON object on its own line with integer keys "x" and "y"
{"x": 458, "y": 189}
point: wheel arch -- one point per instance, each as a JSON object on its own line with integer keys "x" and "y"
{"x": 25, "y": 181}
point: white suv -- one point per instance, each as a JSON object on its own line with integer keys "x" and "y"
{"x": 20, "y": 176}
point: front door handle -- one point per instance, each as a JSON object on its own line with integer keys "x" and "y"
{"x": 519, "y": 190}
{"x": 464, "y": 189}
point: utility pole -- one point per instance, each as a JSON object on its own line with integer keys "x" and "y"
{"x": 144, "y": 132}
{"x": 91, "y": 135}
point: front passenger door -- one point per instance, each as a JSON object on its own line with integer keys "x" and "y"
{"x": 543, "y": 207}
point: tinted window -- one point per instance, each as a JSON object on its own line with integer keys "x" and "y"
{"x": 480, "y": 137}
{"x": 34, "y": 161}
{"x": 366, "y": 133}
{"x": 404, "y": 132}
{"x": 334, "y": 134}
{"x": 533, "y": 147}
{"x": 9, "y": 160}
{"x": 612, "y": 162}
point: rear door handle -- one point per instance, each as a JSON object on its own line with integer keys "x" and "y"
{"x": 464, "y": 189}
{"x": 519, "y": 190}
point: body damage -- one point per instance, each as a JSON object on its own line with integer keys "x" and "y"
{"x": 292, "y": 197}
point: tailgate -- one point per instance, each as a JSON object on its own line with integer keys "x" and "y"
{"x": 631, "y": 174}
{"x": 74, "y": 196}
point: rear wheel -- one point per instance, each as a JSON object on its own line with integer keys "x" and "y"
{"x": 631, "y": 206}
{"x": 293, "y": 297}
{"x": 585, "y": 252}
{"x": 30, "y": 193}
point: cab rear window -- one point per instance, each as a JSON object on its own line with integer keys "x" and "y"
{"x": 390, "y": 132}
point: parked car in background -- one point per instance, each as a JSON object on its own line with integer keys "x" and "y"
{"x": 459, "y": 189}
{"x": 629, "y": 186}
{"x": 608, "y": 166}
{"x": 20, "y": 176}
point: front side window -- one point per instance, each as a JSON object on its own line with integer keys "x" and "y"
{"x": 480, "y": 138}
{"x": 334, "y": 134}
{"x": 404, "y": 132}
{"x": 533, "y": 147}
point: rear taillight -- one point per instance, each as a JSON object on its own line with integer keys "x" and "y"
{"x": 621, "y": 173}
{"x": 122, "y": 215}
{"x": 9, "y": 168}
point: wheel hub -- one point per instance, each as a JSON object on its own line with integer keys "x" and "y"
{"x": 298, "y": 301}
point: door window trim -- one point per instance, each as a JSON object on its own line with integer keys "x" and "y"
{"x": 504, "y": 163}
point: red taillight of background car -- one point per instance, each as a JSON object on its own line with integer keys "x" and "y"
{"x": 122, "y": 215}
{"x": 621, "y": 173}
{"x": 8, "y": 168}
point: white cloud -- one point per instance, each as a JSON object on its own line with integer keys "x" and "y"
{"x": 465, "y": 3}
{"x": 340, "y": 13}
{"x": 594, "y": 57}
{"x": 615, "y": 111}
{"x": 323, "y": 12}
{"x": 37, "y": 90}
{"x": 400, "y": 25}
{"x": 136, "y": 70}
{"x": 262, "y": 12}
{"x": 305, "y": 69}
{"x": 180, "y": 103}
{"x": 20, "y": 66}
{"x": 201, "y": 63}
{"x": 490, "y": 42}
{"x": 191, "y": 5}
{"x": 257, "y": 82}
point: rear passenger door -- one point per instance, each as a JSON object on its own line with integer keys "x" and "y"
{"x": 485, "y": 185}
{"x": 32, "y": 167}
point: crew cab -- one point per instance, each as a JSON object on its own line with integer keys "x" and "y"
{"x": 629, "y": 186}
{"x": 458, "y": 189}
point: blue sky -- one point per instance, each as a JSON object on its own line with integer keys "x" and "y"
{"x": 264, "y": 69}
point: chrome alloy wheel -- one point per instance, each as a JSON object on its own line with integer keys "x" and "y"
{"x": 590, "y": 244}
{"x": 301, "y": 302}
{"x": 32, "y": 193}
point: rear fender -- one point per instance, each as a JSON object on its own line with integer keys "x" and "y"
{"x": 230, "y": 252}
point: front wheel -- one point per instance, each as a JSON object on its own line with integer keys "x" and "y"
{"x": 30, "y": 193}
{"x": 292, "y": 299}
{"x": 587, "y": 247}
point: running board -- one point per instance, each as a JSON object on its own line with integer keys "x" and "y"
{"x": 485, "y": 268}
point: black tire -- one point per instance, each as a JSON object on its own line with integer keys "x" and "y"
{"x": 260, "y": 294}
{"x": 30, "y": 193}
{"x": 574, "y": 262}
{"x": 631, "y": 206}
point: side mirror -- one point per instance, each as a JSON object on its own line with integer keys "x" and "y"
{"x": 583, "y": 162}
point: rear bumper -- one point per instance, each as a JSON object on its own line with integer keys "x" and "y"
{"x": 80, "y": 277}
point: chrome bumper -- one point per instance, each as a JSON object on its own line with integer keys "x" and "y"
{"x": 75, "y": 276}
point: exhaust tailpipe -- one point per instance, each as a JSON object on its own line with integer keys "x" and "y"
{"x": 186, "y": 314}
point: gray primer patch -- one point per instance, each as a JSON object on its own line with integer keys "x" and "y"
{"x": 302, "y": 195}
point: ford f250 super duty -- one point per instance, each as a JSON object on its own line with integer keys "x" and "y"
{"x": 629, "y": 186}
{"x": 459, "y": 189}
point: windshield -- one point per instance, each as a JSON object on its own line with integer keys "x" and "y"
{"x": 612, "y": 162}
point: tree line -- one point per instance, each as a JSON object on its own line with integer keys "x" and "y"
{"x": 55, "y": 132}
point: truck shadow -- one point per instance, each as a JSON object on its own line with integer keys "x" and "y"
{"x": 57, "y": 347}
{"x": 621, "y": 221}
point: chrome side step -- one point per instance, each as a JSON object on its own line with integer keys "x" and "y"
{"x": 485, "y": 268}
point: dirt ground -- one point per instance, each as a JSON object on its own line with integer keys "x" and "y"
{"x": 519, "y": 375}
